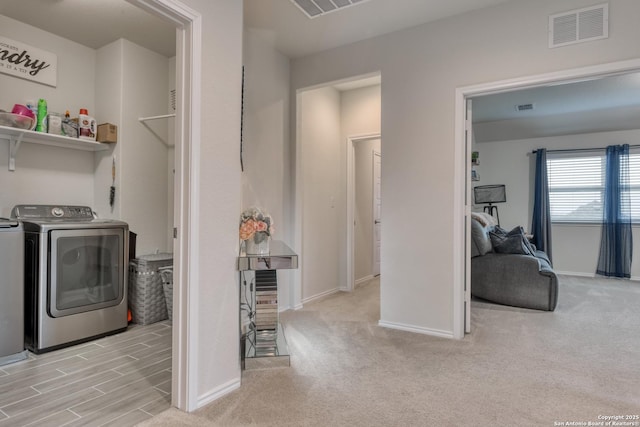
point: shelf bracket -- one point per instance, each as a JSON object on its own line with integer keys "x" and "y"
{"x": 14, "y": 146}
{"x": 143, "y": 120}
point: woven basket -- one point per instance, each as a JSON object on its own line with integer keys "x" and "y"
{"x": 146, "y": 293}
{"x": 166, "y": 273}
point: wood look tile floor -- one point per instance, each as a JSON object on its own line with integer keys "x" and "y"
{"x": 119, "y": 380}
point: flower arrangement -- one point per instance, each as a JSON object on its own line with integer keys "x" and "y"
{"x": 255, "y": 225}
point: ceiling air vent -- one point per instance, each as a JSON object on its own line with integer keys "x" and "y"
{"x": 580, "y": 25}
{"x": 315, "y": 8}
{"x": 525, "y": 107}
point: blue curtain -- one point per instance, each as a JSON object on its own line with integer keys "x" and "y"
{"x": 616, "y": 243}
{"x": 541, "y": 223}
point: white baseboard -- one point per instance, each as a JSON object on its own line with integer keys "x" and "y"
{"x": 321, "y": 295}
{"x": 416, "y": 329}
{"x": 218, "y": 392}
{"x": 363, "y": 280}
{"x": 573, "y": 273}
{"x": 591, "y": 275}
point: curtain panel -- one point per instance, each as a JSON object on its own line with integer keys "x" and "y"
{"x": 541, "y": 221}
{"x": 616, "y": 243}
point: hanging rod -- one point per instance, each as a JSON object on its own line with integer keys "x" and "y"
{"x": 572, "y": 150}
{"x": 165, "y": 116}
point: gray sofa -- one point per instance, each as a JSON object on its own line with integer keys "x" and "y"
{"x": 514, "y": 279}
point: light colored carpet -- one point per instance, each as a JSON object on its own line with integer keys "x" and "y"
{"x": 518, "y": 367}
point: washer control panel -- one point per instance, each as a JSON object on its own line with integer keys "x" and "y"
{"x": 74, "y": 213}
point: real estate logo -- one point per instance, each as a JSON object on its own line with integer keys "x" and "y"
{"x": 28, "y": 62}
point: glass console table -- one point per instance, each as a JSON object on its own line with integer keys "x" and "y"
{"x": 262, "y": 336}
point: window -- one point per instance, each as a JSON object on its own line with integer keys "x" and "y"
{"x": 576, "y": 187}
{"x": 634, "y": 182}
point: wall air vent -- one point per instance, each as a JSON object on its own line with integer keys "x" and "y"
{"x": 580, "y": 25}
{"x": 315, "y": 8}
{"x": 172, "y": 99}
{"x": 525, "y": 107}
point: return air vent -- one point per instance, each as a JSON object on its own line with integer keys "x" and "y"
{"x": 580, "y": 25}
{"x": 315, "y": 8}
{"x": 525, "y": 107}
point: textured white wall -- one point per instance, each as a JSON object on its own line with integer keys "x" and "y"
{"x": 575, "y": 246}
{"x": 360, "y": 109}
{"x": 322, "y": 191}
{"x": 217, "y": 339}
{"x": 125, "y": 91}
{"x": 143, "y": 153}
{"x": 48, "y": 174}
{"x": 421, "y": 67}
{"x": 109, "y": 98}
{"x": 266, "y": 139}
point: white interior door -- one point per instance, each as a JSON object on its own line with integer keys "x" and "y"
{"x": 377, "y": 163}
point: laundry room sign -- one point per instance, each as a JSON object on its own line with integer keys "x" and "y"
{"x": 28, "y": 62}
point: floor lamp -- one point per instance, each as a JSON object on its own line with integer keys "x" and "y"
{"x": 488, "y": 195}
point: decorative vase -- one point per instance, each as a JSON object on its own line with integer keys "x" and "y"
{"x": 253, "y": 248}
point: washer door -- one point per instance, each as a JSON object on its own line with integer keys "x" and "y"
{"x": 87, "y": 270}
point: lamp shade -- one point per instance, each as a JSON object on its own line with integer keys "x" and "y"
{"x": 489, "y": 194}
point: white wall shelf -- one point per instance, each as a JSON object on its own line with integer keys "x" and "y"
{"x": 18, "y": 136}
{"x": 164, "y": 116}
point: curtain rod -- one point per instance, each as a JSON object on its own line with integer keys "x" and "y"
{"x": 580, "y": 149}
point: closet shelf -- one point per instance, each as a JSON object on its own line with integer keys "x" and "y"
{"x": 17, "y": 136}
{"x": 164, "y": 116}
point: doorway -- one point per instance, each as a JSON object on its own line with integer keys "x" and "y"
{"x": 328, "y": 117}
{"x": 462, "y": 174}
{"x": 184, "y": 393}
{"x": 364, "y": 160}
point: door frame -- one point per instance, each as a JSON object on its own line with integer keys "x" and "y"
{"x": 350, "y": 279}
{"x": 373, "y": 208}
{"x": 184, "y": 366}
{"x": 462, "y": 164}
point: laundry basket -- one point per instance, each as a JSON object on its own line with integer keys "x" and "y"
{"x": 146, "y": 292}
{"x": 166, "y": 273}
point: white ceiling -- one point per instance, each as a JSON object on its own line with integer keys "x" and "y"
{"x": 615, "y": 91}
{"x": 295, "y": 35}
{"x": 604, "y": 104}
{"x": 578, "y": 107}
{"x": 94, "y": 23}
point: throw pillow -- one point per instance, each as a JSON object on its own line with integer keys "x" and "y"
{"x": 520, "y": 231}
{"x": 510, "y": 242}
{"x": 480, "y": 242}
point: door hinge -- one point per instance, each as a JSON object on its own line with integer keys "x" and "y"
{"x": 175, "y": 232}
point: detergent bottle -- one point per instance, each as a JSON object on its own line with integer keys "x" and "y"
{"x": 41, "y": 118}
{"x": 87, "y": 126}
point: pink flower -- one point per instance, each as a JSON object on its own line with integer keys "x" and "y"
{"x": 261, "y": 226}
{"x": 247, "y": 229}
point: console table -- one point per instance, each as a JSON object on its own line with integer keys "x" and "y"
{"x": 261, "y": 334}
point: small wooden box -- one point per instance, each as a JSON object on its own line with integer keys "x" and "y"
{"x": 107, "y": 133}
